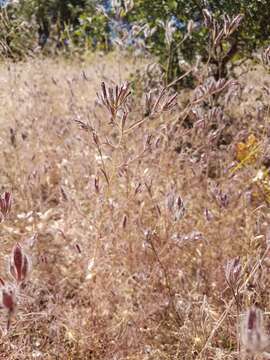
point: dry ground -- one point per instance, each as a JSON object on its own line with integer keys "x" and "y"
{"x": 131, "y": 246}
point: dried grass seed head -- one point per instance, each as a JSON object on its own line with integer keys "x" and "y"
{"x": 162, "y": 102}
{"x": 114, "y": 99}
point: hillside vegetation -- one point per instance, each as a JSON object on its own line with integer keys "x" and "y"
{"x": 132, "y": 232}
{"x": 135, "y": 185}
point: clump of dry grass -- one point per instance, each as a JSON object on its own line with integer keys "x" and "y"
{"x": 137, "y": 205}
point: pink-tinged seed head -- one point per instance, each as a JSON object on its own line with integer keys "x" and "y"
{"x": 19, "y": 265}
{"x": 18, "y": 258}
{"x": 5, "y": 204}
{"x": 253, "y": 335}
{"x": 8, "y": 298}
{"x": 7, "y": 197}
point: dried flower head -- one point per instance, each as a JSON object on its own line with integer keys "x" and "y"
{"x": 230, "y": 25}
{"x": 159, "y": 104}
{"x": 252, "y": 332}
{"x": 5, "y": 204}
{"x": 19, "y": 264}
{"x": 115, "y": 98}
{"x": 221, "y": 30}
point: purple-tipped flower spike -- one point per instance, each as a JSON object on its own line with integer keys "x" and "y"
{"x": 19, "y": 265}
{"x": 5, "y": 204}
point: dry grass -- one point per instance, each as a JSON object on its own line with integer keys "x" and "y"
{"x": 132, "y": 266}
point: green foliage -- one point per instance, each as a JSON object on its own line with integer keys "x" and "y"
{"x": 79, "y": 24}
{"x": 91, "y": 32}
{"x": 17, "y": 36}
{"x": 30, "y": 23}
{"x": 76, "y": 21}
{"x": 252, "y": 34}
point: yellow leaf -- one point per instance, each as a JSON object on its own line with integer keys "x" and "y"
{"x": 247, "y": 152}
{"x": 241, "y": 151}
